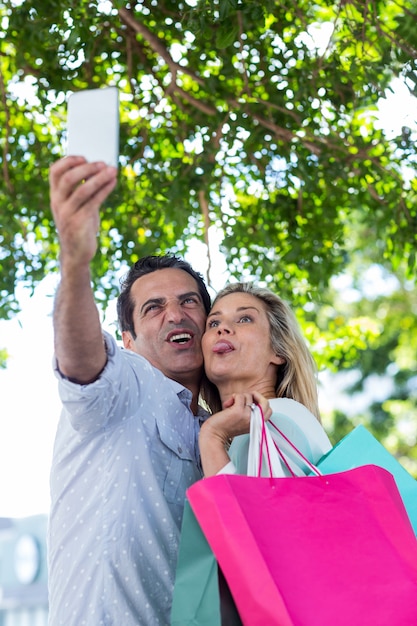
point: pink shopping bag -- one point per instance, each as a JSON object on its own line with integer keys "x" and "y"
{"x": 312, "y": 551}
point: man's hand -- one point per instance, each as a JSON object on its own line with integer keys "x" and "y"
{"x": 77, "y": 190}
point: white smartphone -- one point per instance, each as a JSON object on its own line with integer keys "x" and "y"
{"x": 93, "y": 125}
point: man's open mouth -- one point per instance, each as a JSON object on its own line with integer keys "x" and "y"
{"x": 180, "y": 338}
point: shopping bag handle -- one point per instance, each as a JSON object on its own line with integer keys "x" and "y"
{"x": 311, "y": 465}
{"x": 270, "y": 450}
{"x": 261, "y": 449}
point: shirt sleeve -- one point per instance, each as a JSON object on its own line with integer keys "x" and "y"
{"x": 114, "y": 396}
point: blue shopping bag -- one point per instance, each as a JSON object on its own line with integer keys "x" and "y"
{"x": 360, "y": 447}
{"x": 201, "y": 595}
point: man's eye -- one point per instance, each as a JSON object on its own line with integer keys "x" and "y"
{"x": 152, "y": 307}
{"x": 190, "y": 300}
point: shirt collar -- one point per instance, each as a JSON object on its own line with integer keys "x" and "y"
{"x": 185, "y": 396}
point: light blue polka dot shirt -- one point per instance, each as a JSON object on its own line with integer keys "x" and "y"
{"x": 125, "y": 453}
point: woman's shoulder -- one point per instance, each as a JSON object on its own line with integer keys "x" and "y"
{"x": 300, "y": 426}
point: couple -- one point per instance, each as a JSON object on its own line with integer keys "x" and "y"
{"x": 132, "y": 437}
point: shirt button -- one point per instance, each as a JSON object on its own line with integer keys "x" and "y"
{"x": 179, "y": 449}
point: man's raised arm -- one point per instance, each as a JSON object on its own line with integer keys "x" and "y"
{"x": 77, "y": 190}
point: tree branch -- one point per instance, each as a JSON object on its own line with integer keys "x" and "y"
{"x": 6, "y": 174}
{"x": 158, "y": 47}
{"x": 206, "y": 217}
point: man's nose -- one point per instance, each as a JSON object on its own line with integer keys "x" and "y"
{"x": 174, "y": 311}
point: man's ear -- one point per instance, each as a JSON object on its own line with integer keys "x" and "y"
{"x": 128, "y": 340}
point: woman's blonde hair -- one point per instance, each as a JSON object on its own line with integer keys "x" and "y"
{"x": 297, "y": 376}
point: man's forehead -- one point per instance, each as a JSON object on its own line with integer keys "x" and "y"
{"x": 161, "y": 284}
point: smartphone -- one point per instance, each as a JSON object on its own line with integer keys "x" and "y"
{"x": 93, "y": 125}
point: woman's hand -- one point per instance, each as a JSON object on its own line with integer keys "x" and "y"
{"x": 218, "y": 431}
{"x": 238, "y": 403}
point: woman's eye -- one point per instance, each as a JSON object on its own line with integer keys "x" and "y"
{"x": 212, "y": 324}
{"x": 244, "y": 319}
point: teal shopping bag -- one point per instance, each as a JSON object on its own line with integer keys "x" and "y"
{"x": 360, "y": 447}
{"x": 201, "y": 595}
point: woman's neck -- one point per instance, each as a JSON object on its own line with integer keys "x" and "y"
{"x": 267, "y": 389}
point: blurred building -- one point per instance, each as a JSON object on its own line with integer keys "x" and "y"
{"x": 23, "y": 571}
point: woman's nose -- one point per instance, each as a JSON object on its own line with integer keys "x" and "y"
{"x": 223, "y": 329}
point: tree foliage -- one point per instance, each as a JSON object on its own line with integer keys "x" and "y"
{"x": 379, "y": 352}
{"x": 256, "y": 118}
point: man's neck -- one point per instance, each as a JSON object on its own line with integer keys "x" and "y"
{"x": 194, "y": 389}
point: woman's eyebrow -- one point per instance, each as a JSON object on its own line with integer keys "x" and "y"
{"x": 238, "y": 310}
{"x": 245, "y": 308}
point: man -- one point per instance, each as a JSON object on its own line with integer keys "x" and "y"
{"x": 126, "y": 446}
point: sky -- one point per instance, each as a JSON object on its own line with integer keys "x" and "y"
{"x": 29, "y": 403}
{"x": 29, "y": 406}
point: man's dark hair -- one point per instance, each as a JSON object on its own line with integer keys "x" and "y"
{"x": 146, "y": 265}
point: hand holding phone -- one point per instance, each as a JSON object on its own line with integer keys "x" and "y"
{"x": 93, "y": 125}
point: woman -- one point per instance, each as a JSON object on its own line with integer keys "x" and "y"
{"x": 254, "y": 352}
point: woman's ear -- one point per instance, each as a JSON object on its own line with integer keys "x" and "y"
{"x": 277, "y": 359}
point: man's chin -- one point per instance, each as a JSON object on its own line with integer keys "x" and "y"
{"x": 179, "y": 367}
